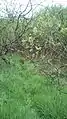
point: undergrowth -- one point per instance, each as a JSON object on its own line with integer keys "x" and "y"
{"x": 24, "y": 94}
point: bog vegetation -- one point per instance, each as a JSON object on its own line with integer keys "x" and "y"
{"x": 33, "y": 64}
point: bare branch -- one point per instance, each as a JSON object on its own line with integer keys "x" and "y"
{"x": 22, "y": 13}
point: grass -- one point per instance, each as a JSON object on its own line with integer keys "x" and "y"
{"x": 24, "y": 94}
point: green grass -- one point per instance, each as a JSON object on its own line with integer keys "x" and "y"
{"x": 24, "y": 94}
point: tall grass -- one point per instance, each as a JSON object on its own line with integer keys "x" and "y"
{"x": 24, "y": 94}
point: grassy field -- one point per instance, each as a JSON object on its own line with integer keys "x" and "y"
{"x": 24, "y": 94}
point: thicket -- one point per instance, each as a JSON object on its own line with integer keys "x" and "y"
{"x": 47, "y": 28}
{"x": 43, "y": 36}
